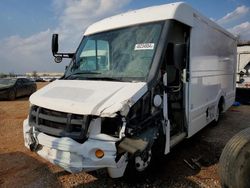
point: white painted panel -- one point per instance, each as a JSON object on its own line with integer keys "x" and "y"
{"x": 212, "y": 72}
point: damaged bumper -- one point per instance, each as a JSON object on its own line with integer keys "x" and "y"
{"x": 75, "y": 157}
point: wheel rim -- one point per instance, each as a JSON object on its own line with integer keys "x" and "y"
{"x": 142, "y": 161}
{"x": 12, "y": 94}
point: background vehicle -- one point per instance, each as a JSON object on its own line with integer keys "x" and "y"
{"x": 10, "y": 88}
{"x": 235, "y": 161}
{"x": 243, "y": 73}
{"x": 38, "y": 79}
{"x": 141, "y": 80}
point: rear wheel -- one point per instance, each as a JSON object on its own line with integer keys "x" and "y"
{"x": 218, "y": 113}
{"x": 234, "y": 166}
{"x": 12, "y": 95}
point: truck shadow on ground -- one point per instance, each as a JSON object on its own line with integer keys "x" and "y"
{"x": 18, "y": 169}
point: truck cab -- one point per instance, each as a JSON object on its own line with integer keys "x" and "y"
{"x": 243, "y": 72}
{"x": 139, "y": 80}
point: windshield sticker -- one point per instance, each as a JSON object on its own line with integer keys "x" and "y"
{"x": 145, "y": 46}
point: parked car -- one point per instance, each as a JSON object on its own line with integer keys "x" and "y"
{"x": 10, "y": 88}
{"x": 53, "y": 79}
{"x": 39, "y": 79}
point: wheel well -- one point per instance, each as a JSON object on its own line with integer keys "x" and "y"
{"x": 221, "y": 103}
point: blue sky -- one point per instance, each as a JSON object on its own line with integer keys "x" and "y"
{"x": 27, "y": 25}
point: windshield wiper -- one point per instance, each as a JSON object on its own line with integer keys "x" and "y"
{"x": 105, "y": 78}
{"x": 79, "y": 73}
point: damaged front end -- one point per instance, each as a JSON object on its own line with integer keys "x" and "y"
{"x": 89, "y": 142}
{"x": 75, "y": 142}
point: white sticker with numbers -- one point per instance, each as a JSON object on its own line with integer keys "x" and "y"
{"x": 145, "y": 46}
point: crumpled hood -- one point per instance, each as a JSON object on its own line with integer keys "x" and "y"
{"x": 101, "y": 98}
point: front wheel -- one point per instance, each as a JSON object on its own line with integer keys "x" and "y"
{"x": 33, "y": 90}
{"x": 138, "y": 165}
{"x": 12, "y": 95}
{"x": 143, "y": 161}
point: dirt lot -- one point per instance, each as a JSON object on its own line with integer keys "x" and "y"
{"x": 19, "y": 167}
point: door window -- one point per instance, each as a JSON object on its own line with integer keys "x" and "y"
{"x": 95, "y": 56}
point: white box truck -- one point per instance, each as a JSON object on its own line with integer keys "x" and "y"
{"x": 243, "y": 72}
{"x": 138, "y": 84}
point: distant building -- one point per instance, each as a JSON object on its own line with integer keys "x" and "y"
{"x": 45, "y": 74}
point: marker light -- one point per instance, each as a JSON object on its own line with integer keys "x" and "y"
{"x": 99, "y": 153}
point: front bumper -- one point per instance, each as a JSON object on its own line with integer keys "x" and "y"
{"x": 73, "y": 156}
{"x": 4, "y": 94}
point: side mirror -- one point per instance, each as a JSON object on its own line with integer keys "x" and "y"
{"x": 54, "y": 44}
{"x": 179, "y": 56}
{"x": 54, "y": 47}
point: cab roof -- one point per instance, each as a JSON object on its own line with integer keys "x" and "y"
{"x": 179, "y": 11}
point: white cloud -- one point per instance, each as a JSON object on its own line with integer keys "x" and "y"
{"x": 242, "y": 30}
{"x": 19, "y": 54}
{"x": 77, "y": 15}
{"x": 234, "y": 15}
{"x": 25, "y": 54}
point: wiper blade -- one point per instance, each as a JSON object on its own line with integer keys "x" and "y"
{"x": 83, "y": 72}
{"x": 105, "y": 78}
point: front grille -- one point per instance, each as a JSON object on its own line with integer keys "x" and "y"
{"x": 59, "y": 124}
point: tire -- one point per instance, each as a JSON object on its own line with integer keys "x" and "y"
{"x": 33, "y": 91}
{"x": 12, "y": 95}
{"x": 136, "y": 171}
{"x": 234, "y": 164}
{"x": 217, "y": 118}
{"x": 138, "y": 166}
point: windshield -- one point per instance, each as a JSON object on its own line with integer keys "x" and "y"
{"x": 7, "y": 81}
{"x": 122, "y": 55}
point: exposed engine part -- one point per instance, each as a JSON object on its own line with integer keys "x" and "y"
{"x": 133, "y": 145}
{"x": 112, "y": 126}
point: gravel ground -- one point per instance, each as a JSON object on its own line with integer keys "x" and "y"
{"x": 19, "y": 167}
